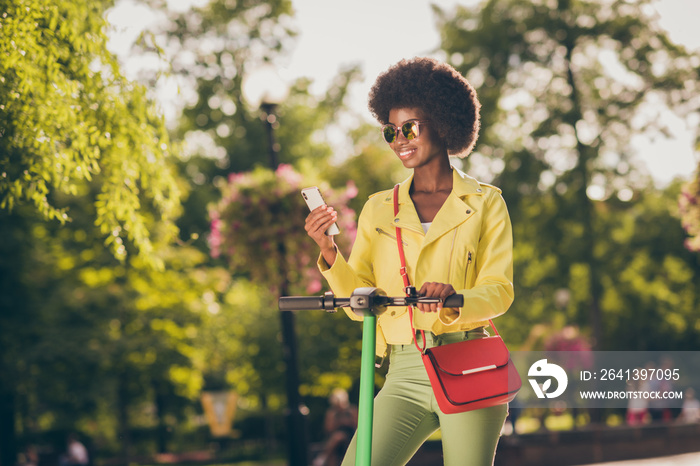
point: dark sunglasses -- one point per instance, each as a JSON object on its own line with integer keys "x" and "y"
{"x": 409, "y": 128}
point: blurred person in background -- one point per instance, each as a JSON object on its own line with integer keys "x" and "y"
{"x": 690, "y": 412}
{"x": 30, "y": 456}
{"x": 76, "y": 453}
{"x": 637, "y": 408}
{"x": 660, "y": 408}
{"x": 340, "y": 425}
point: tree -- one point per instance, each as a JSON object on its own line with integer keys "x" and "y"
{"x": 69, "y": 116}
{"x": 212, "y": 49}
{"x": 651, "y": 281}
{"x": 215, "y": 48}
{"x": 87, "y": 338}
{"x": 564, "y": 86}
{"x": 70, "y": 126}
{"x": 689, "y": 204}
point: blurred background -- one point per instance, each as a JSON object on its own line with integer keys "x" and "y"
{"x": 151, "y": 157}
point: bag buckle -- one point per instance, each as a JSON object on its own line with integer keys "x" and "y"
{"x": 479, "y": 369}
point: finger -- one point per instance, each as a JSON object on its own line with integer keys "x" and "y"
{"x": 316, "y": 221}
{"x": 424, "y": 289}
{"x": 434, "y": 307}
{"x": 447, "y": 291}
{"x": 429, "y": 290}
{"x": 436, "y": 290}
{"x": 422, "y": 292}
{"x": 321, "y": 210}
{"x": 326, "y": 225}
{"x": 316, "y": 214}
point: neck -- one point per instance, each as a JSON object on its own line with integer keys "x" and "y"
{"x": 434, "y": 177}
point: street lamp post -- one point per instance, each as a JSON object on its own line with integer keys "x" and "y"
{"x": 270, "y": 117}
{"x": 266, "y": 90}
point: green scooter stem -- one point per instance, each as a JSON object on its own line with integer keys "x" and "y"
{"x": 363, "y": 454}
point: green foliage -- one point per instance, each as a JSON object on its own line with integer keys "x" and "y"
{"x": 650, "y": 279}
{"x": 240, "y": 345}
{"x": 106, "y": 346}
{"x": 564, "y": 87}
{"x": 213, "y": 48}
{"x": 689, "y": 205}
{"x": 568, "y": 83}
{"x": 85, "y": 336}
{"x": 223, "y": 134}
{"x": 68, "y": 116}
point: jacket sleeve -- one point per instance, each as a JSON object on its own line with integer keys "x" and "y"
{"x": 344, "y": 276}
{"x": 492, "y": 293}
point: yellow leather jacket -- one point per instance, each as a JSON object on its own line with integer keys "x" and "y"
{"x": 469, "y": 245}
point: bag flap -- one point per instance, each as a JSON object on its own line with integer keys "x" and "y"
{"x": 470, "y": 356}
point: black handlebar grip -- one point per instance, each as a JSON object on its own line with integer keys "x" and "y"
{"x": 300, "y": 303}
{"x": 455, "y": 300}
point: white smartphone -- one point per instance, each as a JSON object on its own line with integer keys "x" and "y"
{"x": 313, "y": 199}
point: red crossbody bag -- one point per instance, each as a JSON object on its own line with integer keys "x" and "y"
{"x": 466, "y": 375}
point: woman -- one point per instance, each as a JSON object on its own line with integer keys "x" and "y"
{"x": 457, "y": 239}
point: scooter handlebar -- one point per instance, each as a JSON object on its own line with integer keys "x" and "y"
{"x": 455, "y": 300}
{"x": 300, "y": 303}
{"x": 329, "y": 302}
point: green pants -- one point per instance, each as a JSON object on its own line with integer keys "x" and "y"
{"x": 406, "y": 414}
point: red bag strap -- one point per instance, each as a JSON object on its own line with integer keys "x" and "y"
{"x": 404, "y": 275}
{"x": 404, "y": 272}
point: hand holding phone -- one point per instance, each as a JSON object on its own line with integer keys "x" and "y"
{"x": 314, "y": 199}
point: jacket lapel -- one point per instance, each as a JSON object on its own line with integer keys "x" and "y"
{"x": 457, "y": 208}
{"x": 453, "y": 213}
{"x": 408, "y": 216}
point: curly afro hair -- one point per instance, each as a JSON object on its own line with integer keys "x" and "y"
{"x": 436, "y": 88}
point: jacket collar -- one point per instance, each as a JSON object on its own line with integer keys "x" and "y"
{"x": 454, "y": 212}
{"x": 462, "y": 185}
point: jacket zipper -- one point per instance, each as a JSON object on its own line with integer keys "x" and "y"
{"x": 469, "y": 263}
{"x": 382, "y": 232}
{"x": 452, "y": 251}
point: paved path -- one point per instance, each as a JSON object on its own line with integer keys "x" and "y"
{"x": 688, "y": 459}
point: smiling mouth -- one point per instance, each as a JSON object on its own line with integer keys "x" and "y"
{"x": 406, "y": 153}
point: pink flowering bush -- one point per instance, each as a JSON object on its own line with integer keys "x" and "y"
{"x": 258, "y": 227}
{"x": 689, "y": 206}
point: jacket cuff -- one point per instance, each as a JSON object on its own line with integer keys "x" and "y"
{"x": 323, "y": 265}
{"x": 449, "y": 315}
